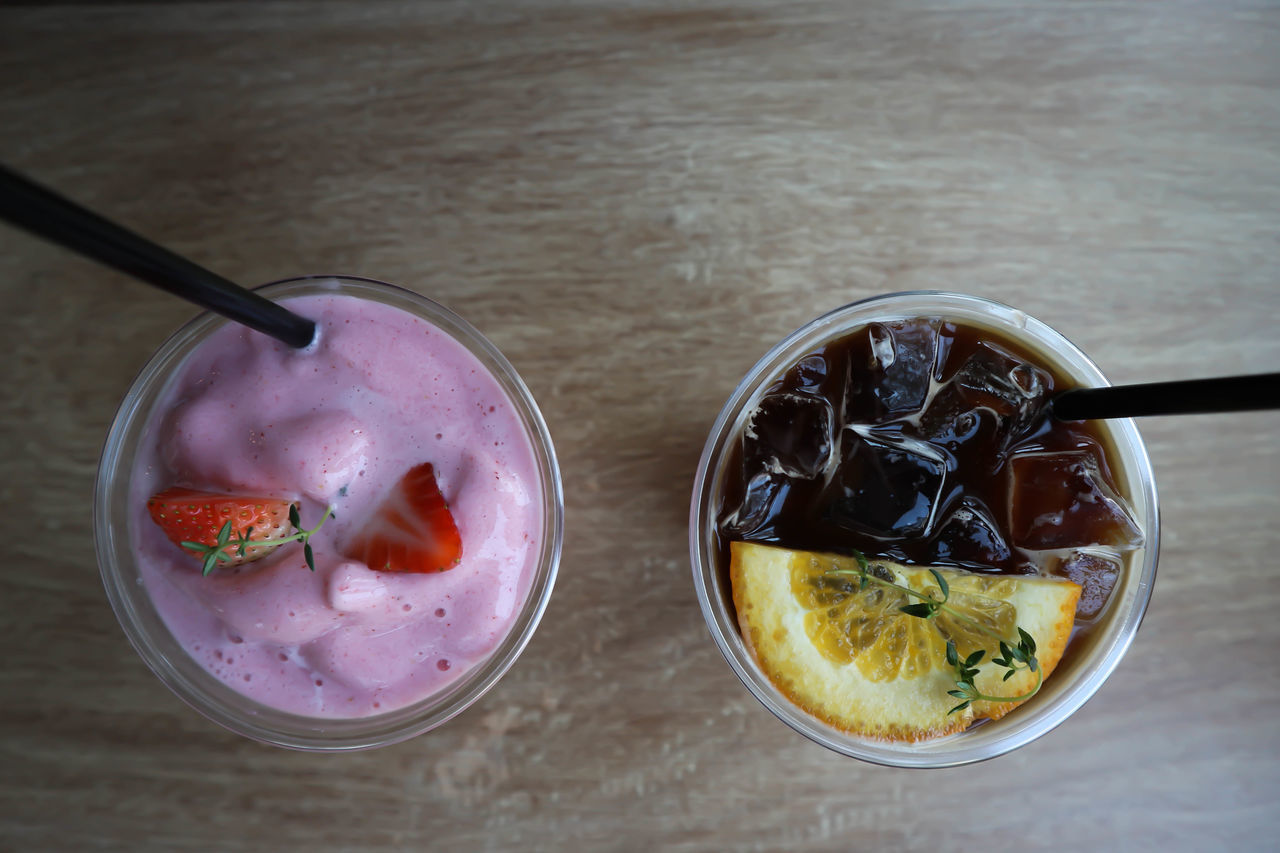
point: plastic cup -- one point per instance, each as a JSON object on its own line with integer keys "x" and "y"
{"x": 145, "y": 628}
{"x": 1089, "y": 659}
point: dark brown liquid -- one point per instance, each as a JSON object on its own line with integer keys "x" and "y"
{"x": 927, "y": 442}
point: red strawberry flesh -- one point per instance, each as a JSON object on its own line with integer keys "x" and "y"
{"x": 188, "y": 515}
{"x": 411, "y": 531}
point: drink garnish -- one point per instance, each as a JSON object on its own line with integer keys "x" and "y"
{"x": 1013, "y": 658}
{"x": 897, "y": 652}
{"x": 411, "y": 531}
{"x": 227, "y": 529}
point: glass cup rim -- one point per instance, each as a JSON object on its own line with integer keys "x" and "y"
{"x": 951, "y": 751}
{"x": 237, "y": 713}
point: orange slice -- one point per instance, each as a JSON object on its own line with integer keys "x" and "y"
{"x": 850, "y": 657}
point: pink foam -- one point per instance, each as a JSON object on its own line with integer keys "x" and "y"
{"x": 381, "y": 392}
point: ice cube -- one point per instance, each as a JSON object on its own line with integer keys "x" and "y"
{"x": 788, "y": 437}
{"x": 905, "y": 352}
{"x": 811, "y": 371}
{"x": 951, "y": 420}
{"x": 969, "y": 536}
{"x": 898, "y": 373}
{"x": 1097, "y": 575}
{"x": 882, "y": 349}
{"x": 886, "y": 485}
{"x": 994, "y": 379}
{"x": 791, "y": 434}
{"x": 749, "y": 519}
{"x": 1066, "y": 500}
{"x": 992, "y": 392}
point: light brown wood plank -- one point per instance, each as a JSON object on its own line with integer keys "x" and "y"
{"x": 634, "y": 200}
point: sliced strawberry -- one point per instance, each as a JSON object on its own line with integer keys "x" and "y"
{"x": 412, "y": 531}
{"x": 187, "y": 515}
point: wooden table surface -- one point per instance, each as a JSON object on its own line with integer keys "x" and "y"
{"x": 633, "y": 201}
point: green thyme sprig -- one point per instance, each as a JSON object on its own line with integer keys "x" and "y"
{"x": 227, "y": 547}
{"x": 1013, "y": 658}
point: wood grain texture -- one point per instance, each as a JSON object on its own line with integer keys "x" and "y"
{"x": 634, "y": 200}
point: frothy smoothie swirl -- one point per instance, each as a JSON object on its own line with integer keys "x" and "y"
{"x": 337, "y": 425}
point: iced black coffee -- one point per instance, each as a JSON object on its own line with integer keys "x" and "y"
{"x": 929, "y": 442}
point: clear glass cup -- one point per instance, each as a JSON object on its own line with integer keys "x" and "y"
{"x": 146, "y": 629}
{"x": 1089, "y": 659}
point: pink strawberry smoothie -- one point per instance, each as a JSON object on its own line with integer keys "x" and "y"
{"x": 379, "y": 392}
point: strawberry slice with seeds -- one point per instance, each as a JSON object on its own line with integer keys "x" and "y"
{"x": 190, "y": 517}
{"x": 411, "y": 531}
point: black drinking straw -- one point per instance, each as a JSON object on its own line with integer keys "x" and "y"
{"x": 46, "y": 214}
{"x": 1187, "y": 397}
